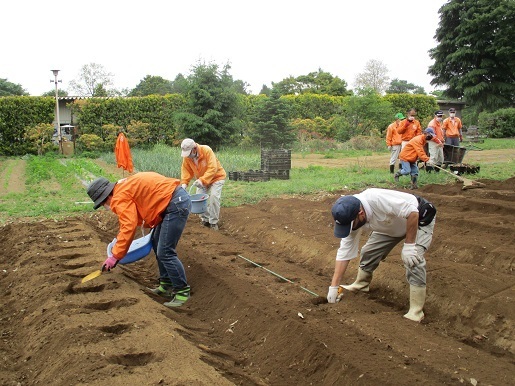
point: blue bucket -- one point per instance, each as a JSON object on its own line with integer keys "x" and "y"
{"x": 139, "y": 249}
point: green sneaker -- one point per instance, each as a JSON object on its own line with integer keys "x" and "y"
{"x": 179, "y": 297}
{"x": 163, "y": 290}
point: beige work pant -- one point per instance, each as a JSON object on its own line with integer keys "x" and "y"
{"x": 212, "y": 213}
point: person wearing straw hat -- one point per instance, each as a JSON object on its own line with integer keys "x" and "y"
{"x": 200, "y": 161}
{"x": 392, "y": 217}
{"x": 158, "y": 202}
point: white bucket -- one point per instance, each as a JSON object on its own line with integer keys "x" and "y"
{"x": 198, "y": 202}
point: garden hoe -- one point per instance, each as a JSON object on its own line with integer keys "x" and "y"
{"x": 467, "y": 184}
{"x": 92, "y": 275}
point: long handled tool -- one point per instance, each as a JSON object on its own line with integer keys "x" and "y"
{"x": 467, "y": 184}
{"x": 275, "y": 274}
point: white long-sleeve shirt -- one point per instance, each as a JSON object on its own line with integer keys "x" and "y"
{"x": 387, "y": 212}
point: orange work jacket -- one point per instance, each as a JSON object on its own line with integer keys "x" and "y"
{"x": 207, "y": 168}
{"x": 408, "y": 129}
{"x": 452, "y": 127}
{"x": 437, "y": 127}
{"x": 139, "y": 198}
{"x": 414, "y": 150}
{"x": 392, "y": 136}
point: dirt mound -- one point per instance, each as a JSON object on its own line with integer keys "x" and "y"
{"x": 243, "y": 323}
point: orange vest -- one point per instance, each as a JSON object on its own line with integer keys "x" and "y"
{"x": 392, "y": 136}
{"x": 437, "y": 127}
{"x": 207, "y": 168}
{"x": 414, "y": 150}
{"x": 408, "y": 129}
{"x": 139, "y": 198}
{"x": 452, "y": 127}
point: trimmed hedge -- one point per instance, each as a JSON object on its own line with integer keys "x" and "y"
{"x": 499, "y": 124}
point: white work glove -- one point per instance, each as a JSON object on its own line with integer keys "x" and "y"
{"x": 410, "y": 255}
{"x": 198, "y": 184}
{"x": 335, "y": 294}
{"x": 184, "y": 186}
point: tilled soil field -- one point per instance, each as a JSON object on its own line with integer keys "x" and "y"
{"x": 243, "y": 324}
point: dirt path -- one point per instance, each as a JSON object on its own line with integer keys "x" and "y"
{"x": 379, "y": 161}
{"x": 12, "y": 176}
{"x": 244, "y": 325}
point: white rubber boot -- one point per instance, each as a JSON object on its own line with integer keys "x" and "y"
{"x": 417, "y": 298}
{"x": 362, "y": 282}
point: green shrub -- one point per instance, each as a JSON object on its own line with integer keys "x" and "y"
{"x": 499, "y": 124}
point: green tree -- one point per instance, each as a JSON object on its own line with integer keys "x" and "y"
{"x": 11, "y": 89}
{"x": 475, "y": 57}
{"x": 179, "y": 85}
{"x": 368, "y": 114}
{"x": 374, "y": 77}
{"x": 271, "y": 123}
{"x": 398, "y": 86}
{"x": 51, "y": 93}
{"x": 93, "y": 80}
{"x": 40, "y": 136}
{"x": 318, "y": 82}
{"x": 152, "y": 85}
{"x": 212, "y": 106}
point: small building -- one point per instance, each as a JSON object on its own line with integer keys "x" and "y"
{"x": 446, "y": 105}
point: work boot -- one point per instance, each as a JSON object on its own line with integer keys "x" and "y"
{"x": 392, "y": 169}
{"x": 205, "y": 223}
{"x": 417, "y": 298}
{"x": 362, "y": 282}
{"x": 163, "y": 290}
{"x": 429, "y": 169}
{"x": 396, "y": 176}
{"x": 414, "y": 182}
{"x": 437, "y": 170}
{"x": 179, "y": 297}
{"x": 214, "y": 227}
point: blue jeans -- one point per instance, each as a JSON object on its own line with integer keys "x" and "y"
{"x": 409, "y": 168}
{"x": 166, "y": 237}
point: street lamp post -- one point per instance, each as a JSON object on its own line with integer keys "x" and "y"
{"x": 59, "y": 138}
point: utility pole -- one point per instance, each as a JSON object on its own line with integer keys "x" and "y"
{"x": 59, "y": 137}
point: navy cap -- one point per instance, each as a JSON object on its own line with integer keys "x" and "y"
{"x": 344, "y": 211}
{"x": 430, "y": 130}
{"x": 452, "y": 110}
{"x": 439, "y": 112}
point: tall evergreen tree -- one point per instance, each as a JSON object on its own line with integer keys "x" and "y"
{"x": 475, "y": 55}
{"x": 271, "y": 119}
{"x": 11, "y": 89}
{"x": 211, "y": 116}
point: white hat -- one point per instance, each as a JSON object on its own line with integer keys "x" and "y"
{"x": 187, "y": 146}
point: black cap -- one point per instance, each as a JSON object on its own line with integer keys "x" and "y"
{"x": 99, "y": 190}
{"x": 439, "y": 112}
{"x": 344, "y": 211}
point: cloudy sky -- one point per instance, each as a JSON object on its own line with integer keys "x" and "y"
{"x": 264, "y": 41}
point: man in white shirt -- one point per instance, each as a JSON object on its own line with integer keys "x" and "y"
{"x": 392, "y": 217}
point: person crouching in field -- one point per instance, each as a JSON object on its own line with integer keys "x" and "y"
{"x": 412, "y": 152}
{"x": 392, "y": 217}
{"x": 160, "y": 203}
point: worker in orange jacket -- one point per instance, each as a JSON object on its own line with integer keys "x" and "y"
{"x": 436, "y": 150}
{"x": 394, "y": 140}
{"x": 452, "y": 129}
{"x": 157, "y": 202}
{"x": 412, "y": 152}
{"x": 200, "y": 161}
{"x": 409, "y": 127}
